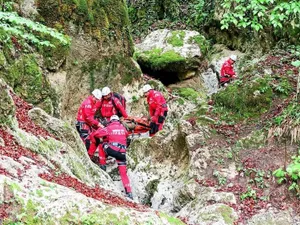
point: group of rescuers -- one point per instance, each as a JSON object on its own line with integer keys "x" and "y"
{"x": 109, "y": 134}
{"x": 110, "y": 128}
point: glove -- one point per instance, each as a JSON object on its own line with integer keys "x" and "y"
{"x": 153, "y": 128}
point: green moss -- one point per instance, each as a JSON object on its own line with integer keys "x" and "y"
{"x": 180, "y": 101}
{"x": 15, "y": 187}
{"x": 201, "y": 41}
{"x": 103, "y": 20}
{"x": 26, "y": 214}
{"x": 176, "y": 39}
{"x": 156, "y": 59}
{"x": 171, "y": 220}
{"x": 188, "y": 93}
{"x": 151, "y": 188}
{"x": 7, "y": 106}
{"x": 226, "y": 212}
{"x": 104, "y": 217}
{"x": 27, "y": 80}
{"x": 47, "y": 106}
{"x": 244, "y": 100}
{"x": 100, "y": 74}
{"x": 2, "y": 59}
{"x": 53, "y": 57}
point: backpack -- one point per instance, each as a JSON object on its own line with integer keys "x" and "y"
{"x": 122, "y": 99}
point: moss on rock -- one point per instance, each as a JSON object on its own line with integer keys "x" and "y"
{"x": 2, "y": 59}
{"x": 201, "y": 41}
{"x": 103, "y": 20}
{"x": 176, "y": 39}
{"x": 100, "y": 73}
{"x": 249, "y": 99}
{"x": 155, "y": 59}
{"x": 189, "y": 94}
{"x": 7, "y": 106}
{"x": 171, "y": 220}
{"x": 151, "y": 188}
{"x": 28, "y": 81}
{"x": 226, "y": 212}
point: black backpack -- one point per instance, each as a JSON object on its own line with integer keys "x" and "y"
{"x": 122, "y": 99}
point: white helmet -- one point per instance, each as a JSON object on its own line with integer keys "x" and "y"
{"x": 105, "y": 91}
{"x": 146, "y": 88}
{"x": 114, "y": 117}
{"x": 233, "y": 57}
{"x": 97, "y": 94}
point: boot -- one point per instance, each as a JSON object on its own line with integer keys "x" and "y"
{"x": 129, "y": 195}
{"x": 103, "y": 167}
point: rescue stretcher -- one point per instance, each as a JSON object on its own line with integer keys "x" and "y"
{"x": 137, "y": 127}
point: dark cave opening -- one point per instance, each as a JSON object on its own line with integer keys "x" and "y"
{"x": 166, "y": 77}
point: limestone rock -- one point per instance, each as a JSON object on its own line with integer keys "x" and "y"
{"x": 28, "y": 8}
{"x": 55, "y": 204}
{"x": 218, "y": 214}
{"x": 178, "y": 54}
{"x": 191, "y": 191}
{"x": 7, "y": 106}
{"x": 198, "y": 162}
{"x": 274, "y": 217}
{"x": 57, "y": 127}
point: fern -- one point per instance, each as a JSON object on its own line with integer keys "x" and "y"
{"x": 32, "y": 32}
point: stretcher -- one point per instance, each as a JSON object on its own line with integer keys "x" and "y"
{"x": 137, "y": 127}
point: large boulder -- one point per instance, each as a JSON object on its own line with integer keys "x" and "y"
{"x": 172, "y": 56}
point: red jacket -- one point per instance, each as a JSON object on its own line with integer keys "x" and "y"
{"x": 115, "y": 132}
{"x": 227, "y": 71}
{"x": 157, "y": 104}
{"x": 86, "y": 111}
{"x": 108, "y": 109}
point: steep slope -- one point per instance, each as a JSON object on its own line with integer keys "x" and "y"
{"x": 214, "y": 163}
{"x": 47, "y": 178}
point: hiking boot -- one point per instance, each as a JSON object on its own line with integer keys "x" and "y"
{"x": 129, "y": 195}
{"x": 103, "y": 167}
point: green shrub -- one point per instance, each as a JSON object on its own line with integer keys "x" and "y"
{"x": 292, "y": 174}
{"x": 282, "y": 17}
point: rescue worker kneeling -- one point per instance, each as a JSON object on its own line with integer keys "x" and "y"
{"x": 115, "y": 136}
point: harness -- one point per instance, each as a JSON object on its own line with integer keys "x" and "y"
{"x": 116, "y": 144}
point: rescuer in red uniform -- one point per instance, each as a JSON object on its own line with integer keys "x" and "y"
{"x": 114, "y": 145}
{"x": 85, "y": 116}
{"x": 158, "y": 108}
{"x": 227, "y": 71}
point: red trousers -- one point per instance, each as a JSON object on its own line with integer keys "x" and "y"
{"x": 120, "y": 157}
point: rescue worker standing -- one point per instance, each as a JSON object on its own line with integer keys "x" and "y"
{"x": 158, "y": 108}
{"x": 85, "y": 116}
{"x": 227, "y": 71}
{"x": 111, "y": 105}
{"x": 115, "y": 135}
